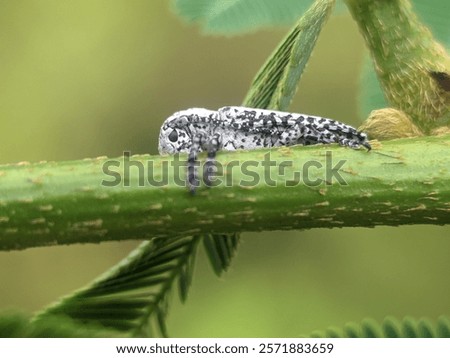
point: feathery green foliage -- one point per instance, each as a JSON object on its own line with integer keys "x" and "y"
{"x": 137, "y": 289}
{"x": 276, "y": 82}
{"x": 390, "y": 328}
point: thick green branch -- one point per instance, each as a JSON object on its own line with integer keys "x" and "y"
{"x": 407, "y": 60}
{"x": 399, "y": 182}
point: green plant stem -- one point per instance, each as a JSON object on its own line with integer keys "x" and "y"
{"x": 399, "y": 182}
{"x": 405, "y": 55}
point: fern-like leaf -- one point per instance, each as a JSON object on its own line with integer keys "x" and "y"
{"x": 390, "y": 328}
{"x": 276, "y": 82}
{"x": 134, "y": 293}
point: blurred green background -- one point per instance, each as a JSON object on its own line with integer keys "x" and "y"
{"x": 96, "y": 77}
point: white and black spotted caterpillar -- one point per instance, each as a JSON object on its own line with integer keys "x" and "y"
{"x": 197, "y": 129}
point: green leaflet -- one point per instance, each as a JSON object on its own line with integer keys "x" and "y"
{"x": 434, "y": 13}
{"x": 276, "y": 82}
{"x": 391, "y": 327}
{"x": 232, "y": 17}
{"x": 220, "y": 250}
